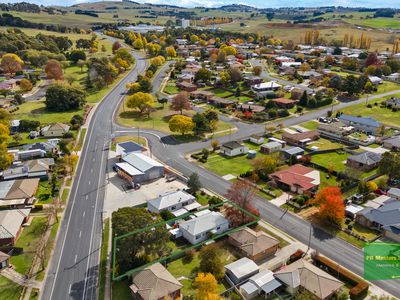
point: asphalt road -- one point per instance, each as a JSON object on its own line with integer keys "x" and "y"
{"x": 73, "y": 271}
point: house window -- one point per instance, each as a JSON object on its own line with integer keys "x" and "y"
{"x": 219, "y": 227}
{"x": 173, "y": 207}
{"x": 197, "y": 237}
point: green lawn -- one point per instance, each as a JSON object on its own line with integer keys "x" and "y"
{"x": 9, "y": 290}
{"x": 103, "y": 263}
{"x": 327, "y": 180}
{"x": 64, "y": 195}
{"x": 49, "y": 248}
{"x": 28, "y": 242}
{"x": 137, "y": 139}
{"x": 180, "y": 267}
{"x": 36, "y": 110}
{"x": 171, "y": 88}
{"x": 310, "y": 125}
{"x": 44, "y": 192}
{"x": 221, "y": 92}
{"x": 223, "y": 165}
{"x": 158, "y": 120}
{"x": 120, "y": 290}
{"x": 324, "y": 144}
{"x": 381, "y": 114}
{"x": 334, "y": 160}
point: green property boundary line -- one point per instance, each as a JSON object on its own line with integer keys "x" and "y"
{"x": 179, "y": 252}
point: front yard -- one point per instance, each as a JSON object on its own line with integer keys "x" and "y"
{"x": 9, "y": 290}
{"x": 36, "y": 110}
{"x": 27, "y": 245}
{"x": 158, "y": 120}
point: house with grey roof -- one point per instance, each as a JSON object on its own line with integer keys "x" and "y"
{"x": 394, "y": 193}
{"x": 392, "y": 143}
{"x": 240, "y": 270}
{"x": 54, "y": 130}
{"x": 11, "y": 221}
{"x": 30, "y": 168}
{"x": 303, "y": 275}
{"x": 128, "y": 147}
{"x": 177, "y": 202}
{"x": 364, "y": 161}
{"x": 138, "y": 168}
{"x": 200, "y": 228}
{"x": 385, "y": 218}
{"x": 365, "y": 124}
{"x": 290, "y": 152}
{"x": 18, "y": 192}
{"x": 233, "y": 148}
{"x": 155, "y": 283}
{"x": 271, "y": 147}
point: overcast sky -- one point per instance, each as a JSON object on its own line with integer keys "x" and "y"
{"x": 256, "y": 3}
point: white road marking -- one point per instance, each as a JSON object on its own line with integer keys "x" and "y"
{"x": 80, "y": 234}
{"x": 76, "y": 257}
{"x": 69, "y": 290}
{"x": 93, "y": 226}
{"x": 84, "y": 213}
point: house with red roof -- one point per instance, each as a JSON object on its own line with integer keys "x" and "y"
{"x": 297, "y": 179}
{"x": 284, "y": 102}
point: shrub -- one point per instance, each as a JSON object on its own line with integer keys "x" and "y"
{"x": 189, "y": 255}
{"x": 39, "y": 206}
{"x": 68, "y": 135}
{"x": 166, "y": 215}
{"x": 296, "y": 256}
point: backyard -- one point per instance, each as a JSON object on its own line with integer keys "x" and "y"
{"x": 333, "y": 160}
{"x": 189, "y": 269}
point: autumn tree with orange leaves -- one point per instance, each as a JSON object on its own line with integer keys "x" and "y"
{"x": 242, "y": 194}
{"x": 330, "y": 203}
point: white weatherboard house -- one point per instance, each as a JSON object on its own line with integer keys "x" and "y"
{"x": 177, "y": 202}
{"x": 233, "y": 148}
{"x": 198, "y": 229}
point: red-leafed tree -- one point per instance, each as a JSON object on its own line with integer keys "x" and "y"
{"x": 330, "y": 203}
{"x": 54, "y": 70}
{"x": 242, "y": 194}
{"x": 116, "y": 46}
{"x": 372, "y": 59}
{"x": 180, "y": 102}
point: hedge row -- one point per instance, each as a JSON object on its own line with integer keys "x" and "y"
{"x": 360, "y": 287}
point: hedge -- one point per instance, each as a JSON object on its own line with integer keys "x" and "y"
{"x": 360, "y": 287}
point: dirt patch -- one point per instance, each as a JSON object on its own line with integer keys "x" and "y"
{"x": 295, "y": 26}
